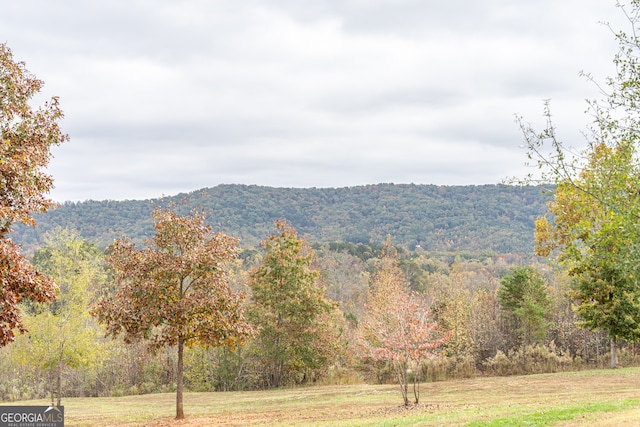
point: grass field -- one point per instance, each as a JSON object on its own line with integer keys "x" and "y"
{"x": 586, "y": 398}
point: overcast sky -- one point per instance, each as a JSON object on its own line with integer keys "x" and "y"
{"x": 165, "y": 96}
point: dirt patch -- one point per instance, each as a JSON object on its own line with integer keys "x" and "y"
{"x": 420, "y": 407}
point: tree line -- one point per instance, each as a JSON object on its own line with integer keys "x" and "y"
{"x": 135, "y": 320}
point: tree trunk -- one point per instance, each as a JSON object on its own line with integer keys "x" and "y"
{"x": 52, "y": 389}
{"x": 401, "y": 371}
{"x": 59, "y": 384}
{"x": 179, "y": 377}
{"x": 278, "y": 365}
{"x": 614, "y": 353}
{"x": 416, "y": 384}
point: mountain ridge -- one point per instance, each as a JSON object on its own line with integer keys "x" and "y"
{"x": 472, "y": 217}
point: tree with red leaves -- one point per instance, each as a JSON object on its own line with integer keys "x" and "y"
{"x": 26, "y": 139}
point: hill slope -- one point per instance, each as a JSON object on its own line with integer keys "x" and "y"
{"x": 473, "y": 218}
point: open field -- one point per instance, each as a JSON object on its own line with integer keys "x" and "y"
{"x": 586, "y": 398}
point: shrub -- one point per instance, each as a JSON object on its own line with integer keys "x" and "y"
{"x": 340, "y": 375}
{"x": 628, "y": 356}
{"x": 448, "y": 367}
{"x": 528, "y": 359}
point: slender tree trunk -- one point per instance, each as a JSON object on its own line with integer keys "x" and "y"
{"x": 416, "y": 384}
{"x": 614, "y": 352}
{"x": 597, "y": 350}
{"x": 179, "y": 374}
{"x": 401, "y": 371}
{"x": 52, "y": 389}
{"x": 59, "y": 383}
{"x": 277, "y": 371}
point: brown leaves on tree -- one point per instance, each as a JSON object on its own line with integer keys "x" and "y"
{"x": 18, "y": 281}
{"x": 26, "y": 138}
{"x": 175, "y": 291}
{"x": 176, "y": 288}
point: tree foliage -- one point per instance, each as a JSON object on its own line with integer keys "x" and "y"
{"x": 63, "y": 334}
{"x": 595, "y": 212}
{"x": 525, "y": 302}
{"x": 27, "y": 136}
{"x": 453, "y": 218}
{"x": 174, "y": 292}
{"x": 398, "y": 326}
{"x": 453, "y": 310}
{"x": 26, "y": 139}
{"x": 297, "y": 335}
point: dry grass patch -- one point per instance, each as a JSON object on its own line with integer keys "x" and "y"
{"x": 604, "y": 397}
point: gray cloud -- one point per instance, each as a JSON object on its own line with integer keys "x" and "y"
{"x": 163, "y": 97}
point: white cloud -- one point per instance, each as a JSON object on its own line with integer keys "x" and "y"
{"x": 162, "y": 97}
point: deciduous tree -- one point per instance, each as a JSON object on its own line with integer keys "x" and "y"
{"x": 596, "y": 210}
{"x": 26, "y": 138}
{"x": 296, "y": 334}
{"x": 598, "y": 241}
{"x": 453, "y": 310}
{"x": 398, "y": 326}
{"x": 174, "y": 292}
{"x": 63, "y": 334}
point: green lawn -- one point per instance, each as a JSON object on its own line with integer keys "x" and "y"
{"x": 586, "y": 398}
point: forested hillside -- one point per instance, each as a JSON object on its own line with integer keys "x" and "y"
{"x": 472, "y": 218}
